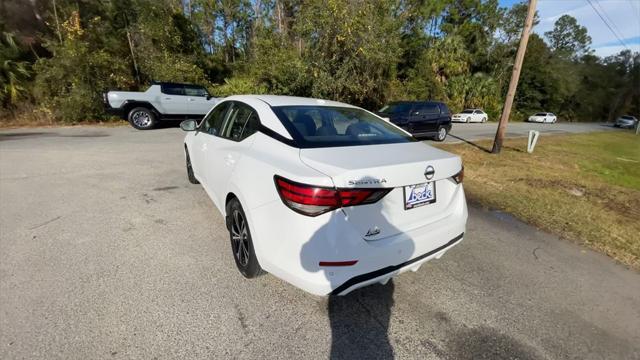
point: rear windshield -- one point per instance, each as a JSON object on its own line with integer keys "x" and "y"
{"x": 541, "y": 114}
{"x": 324, "y": 126}
{"x": 628, "y": 117}
{"x": 467, "y": 111}
{"x": 396, "y": 108}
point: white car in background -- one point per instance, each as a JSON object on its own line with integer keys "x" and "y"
{"x": 161, "y": 101}
{"x": 543, "y": 117}
{"x": 470, "y": 115}
{"x": 324, "y": 195}
{"x": 626, "y": 121}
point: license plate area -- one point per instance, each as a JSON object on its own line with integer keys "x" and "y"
{"x": 417, "y": 195}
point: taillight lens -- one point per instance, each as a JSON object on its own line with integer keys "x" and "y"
{"x": 459, "y": 176}
{"x": 313, "y": 200}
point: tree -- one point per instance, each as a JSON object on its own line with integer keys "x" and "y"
{"x": 357, "y": 51}
{"x": 511, "y": 23}
{"x": 13, "y": 72}
{"x": 476, "y": 22}
{"x": 351, "y": 48}
{"x": 538, "y": 85}
{"x": 568, "y": 39}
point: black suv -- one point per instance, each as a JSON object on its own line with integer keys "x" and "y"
{"x": 420, "y": 118}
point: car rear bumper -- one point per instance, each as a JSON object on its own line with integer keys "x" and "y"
{"x": 384, "y": 274}
{"x": 291, "y": 246}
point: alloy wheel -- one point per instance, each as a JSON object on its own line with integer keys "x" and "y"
{"x": 240, "y": 238}
{"x": 141, "y": 119}
{"x": 442, "y": 133}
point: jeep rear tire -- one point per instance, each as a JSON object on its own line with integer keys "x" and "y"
{"x": 141, "y": 118}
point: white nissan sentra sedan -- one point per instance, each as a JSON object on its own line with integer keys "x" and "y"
{"x": 324, "y": 195}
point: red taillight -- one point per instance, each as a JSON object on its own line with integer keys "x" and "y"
{"x": 315, "y": 200}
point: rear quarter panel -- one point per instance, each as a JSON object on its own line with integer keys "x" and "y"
{"x": 252, "y": 182}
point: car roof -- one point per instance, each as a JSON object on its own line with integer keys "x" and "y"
{"x": 280, "y": 100}
{"x": 163, "y": 83}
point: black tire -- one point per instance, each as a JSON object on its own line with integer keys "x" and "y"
{"x": 441, "y": 134}
{"x": 190, "y": 175}
{"x": 241, "y": 244}
{"x": 142, "y": 118}
{"x": 484, "y": 119}
{"x": 468, "y": 120}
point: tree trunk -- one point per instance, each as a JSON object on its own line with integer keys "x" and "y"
{"x": 55, "y": 15}
{"x": 133, "y": 57}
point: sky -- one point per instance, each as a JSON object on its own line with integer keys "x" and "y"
{"x": 622, "y": 15}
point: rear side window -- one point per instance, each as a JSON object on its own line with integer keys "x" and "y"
{"x": 443, "y": 108}
{"x": 172, "y": 89}
{"x": 242, "y": 122}
{"x": 426, "y": 108}
{"x": 212, "y": 123}
{"x": 396, "y": 108}
{"x": 195, "y": 91}
{"x": 328, "y": 126}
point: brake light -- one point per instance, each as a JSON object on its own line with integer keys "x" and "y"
{"x": 313, "y": 200}
{"x": 459, "y": 176}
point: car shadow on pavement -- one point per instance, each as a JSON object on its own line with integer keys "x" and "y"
{"x": 360, "y": 319}
{"x": 166, "y": 124}
{"x": 360, "y": 323}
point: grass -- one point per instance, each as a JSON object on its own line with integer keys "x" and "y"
{"x": 585, "y": 188}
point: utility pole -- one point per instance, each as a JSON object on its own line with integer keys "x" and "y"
{"x": 513, "y": 84}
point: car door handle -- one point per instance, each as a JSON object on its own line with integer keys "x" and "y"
{"x": 229, "y": 160}
{"x": 192, "y": 99}
{"x": 167, "y": 98}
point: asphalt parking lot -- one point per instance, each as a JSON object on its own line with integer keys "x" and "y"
{"x": 106, "y": 251}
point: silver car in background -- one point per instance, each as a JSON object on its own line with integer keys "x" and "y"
{"x": 626, "y": 121}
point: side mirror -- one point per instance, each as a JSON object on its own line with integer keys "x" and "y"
{"x": 188, "y": 125}
{"x": 208, "y": 97}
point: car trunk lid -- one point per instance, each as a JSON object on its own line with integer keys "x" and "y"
{"x": 388, "y": 166}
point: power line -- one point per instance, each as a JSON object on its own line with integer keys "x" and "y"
{"x": 615, "y": 27}
{"x": 607, "y": 24}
